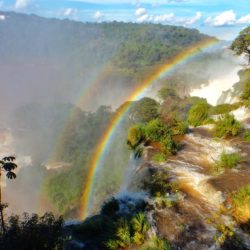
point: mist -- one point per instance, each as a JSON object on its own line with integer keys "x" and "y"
{"x": 62, "y": 66}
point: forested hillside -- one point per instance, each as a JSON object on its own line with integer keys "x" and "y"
{"x": 66, "y": 56}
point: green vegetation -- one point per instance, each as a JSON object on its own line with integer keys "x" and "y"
{"x": 8, "y": 166}
{"x": 159, "y": 184}
{"x": 222, "y": 109}
{"x": 241, "y": 204}
{"x": 129, "y": 232}
{"x": 145, "y": 110}
{"x": 159, "y": 157}
{"x": 246, "y": 91}
{"x": 198, "y": 114}
{"x": 158, "y": 244}
{"x": 228, "y": 160}
{"x": 33, "y": 233}
{"x": 247, "y": 136}
{"x": 242, "y": 42}
{"x": 227, "y": 126}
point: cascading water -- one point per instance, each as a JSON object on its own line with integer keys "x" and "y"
{"x": 214, "y": 89}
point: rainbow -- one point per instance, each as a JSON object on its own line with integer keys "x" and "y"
{"x": 138, "y": 93}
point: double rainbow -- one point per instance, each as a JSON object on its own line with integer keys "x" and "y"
{"x": 139, "y": 92}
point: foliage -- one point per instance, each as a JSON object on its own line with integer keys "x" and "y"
{"x": 198, "y": 113}
{"x": 159, "y": 184}
{"x": 241, "y": 204}
{"x": 158, "y": 244}
{"x": 159, "y": 157}
{"x": 136, "y": 135}
{"x": 156, "y": 130}
{"x": 247, "y": 136}
{"x": 222, "y": 109}
{"x": 227, "y": 126}
{"x": 145, "y": 110}
{"x": 241, "y": 44}
{"x": 129, "y": 232}
{"x": 165, "y": 92}
{"x": 246, "y": 91}
{"x": 228, "y": 160}
{"x": 33, "y": 233}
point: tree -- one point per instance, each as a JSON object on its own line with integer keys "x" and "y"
{"x": 241, "y": 45}
{"x": 145, "y": 110}
{"x": 6, "y": 165}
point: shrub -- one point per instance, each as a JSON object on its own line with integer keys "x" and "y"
{"x": 198, "y": 114}
{"x": 128, "y": 232}
{"x": 156, "y": 130}
{"x": 246, "y": 91}
{"x": 247, "y": 136}
{"x": 135, "y": 136}
{"x": 226, "y": 126}
{"x": 179, "y": 127}
{"x": 222, "y": 109}
{"x": 229, "y": 160}
{"x": 169, "y": 145}
{"x": 159, "y": 184}
{"x": 241, "y": 204}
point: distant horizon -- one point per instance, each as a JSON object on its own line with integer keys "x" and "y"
{"x": 223, "y": 19}
{"x": 106, "y": 21}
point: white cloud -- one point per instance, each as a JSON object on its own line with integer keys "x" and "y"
{"x": 143, "y": 18}
{"x": 21, "y": 4}
{"x": 244, "y": 19}
{"x": 68, "y": 12}
{"x": 164, "y": 18}
{"x": 192, "y": 20}
{"x": 98, "y": 15}
{"x": 223, "y": 19}
{"x": 2, "y": 17}
{"x": 140, "y": 12}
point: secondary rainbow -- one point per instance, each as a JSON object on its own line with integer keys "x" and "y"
{"x": 138, "y": 93}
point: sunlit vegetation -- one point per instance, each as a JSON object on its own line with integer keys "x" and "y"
{"x": 154, "y": 131}
{"x": 129, "y": 232}
{"x": 159, "y": 157}
{"x": 227, "y": 126}
{"x": 198, "y": 114}
{"x": 158, "y": 244}
{"x": 230, "y": 160}
{"x": 32, "y": 232}
{"x": 241, "y": 204}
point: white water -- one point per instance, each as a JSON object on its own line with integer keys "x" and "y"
{"x": 214, "y": 89}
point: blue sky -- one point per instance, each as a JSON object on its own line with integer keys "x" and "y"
{"x": 221, "y": 18}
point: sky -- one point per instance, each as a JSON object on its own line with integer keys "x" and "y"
{"x": 221, "y": 18}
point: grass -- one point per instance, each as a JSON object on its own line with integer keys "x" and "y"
{"x": 228, "y": 160}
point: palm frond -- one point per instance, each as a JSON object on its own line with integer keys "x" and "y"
{"x": 8, "y": 166}
{"x": 11, "y": 175}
